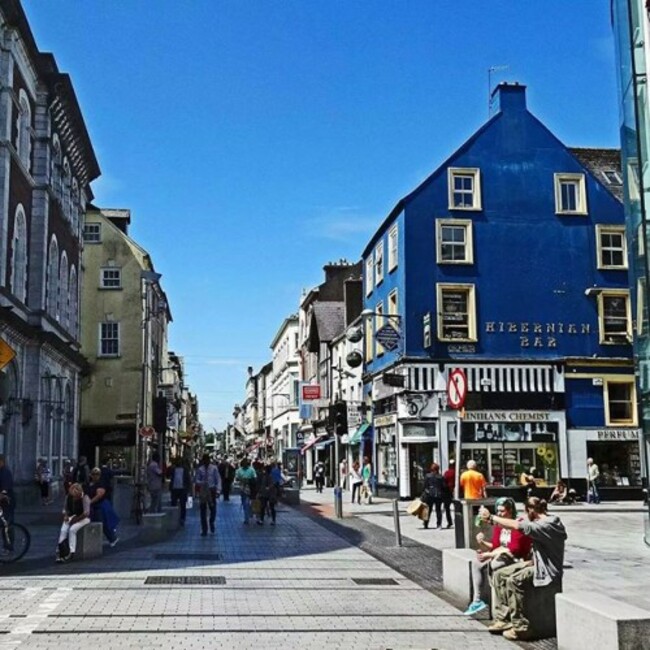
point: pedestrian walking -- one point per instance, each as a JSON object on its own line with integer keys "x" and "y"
{"x": 472, "y": 482}
{"x": 319, "y": 476}
{"x": 343, "y": 473}
{"x": 593, "y": 477}
{"x": 43, "y": 477}
{"x": 7, "y": 491}
{"x": 155, "y": 483}
{"x": 356, "y": 481}
{"x": 247, "y": 478}
{"x": 180, "y": 483}
{"x": 366, "y": 475}
{"x": 101, "y": 509}
{"x": 449, "y": 478}
{"x": 548, "y": 537}
{"x": 76, "y": 515}
{"x": 207, "y": 487}
{"x": 227, "y": 473}
{"x": 432, "y": 495}
{"x": 506, "y": 548}
{"x": 267, "y": 493}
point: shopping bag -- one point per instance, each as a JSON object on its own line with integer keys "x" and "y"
{"x": 423, "y": 512}
{"x": 256, "y": 506}
{"x": 414, "y": 507}
{"x": 190, "y": 503}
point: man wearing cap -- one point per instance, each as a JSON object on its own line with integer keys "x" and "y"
{"x": 207, "y": 487}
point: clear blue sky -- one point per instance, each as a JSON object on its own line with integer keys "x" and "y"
{"x": 256, "y": 141}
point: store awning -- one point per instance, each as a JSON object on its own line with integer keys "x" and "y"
{"x": 324, "y": 445}
{"x": 356, "y": 438}
{"x": 310, "y": 443}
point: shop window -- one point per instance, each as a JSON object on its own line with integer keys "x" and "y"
{"x": 614, "y": 317}
{"x": 454, "y": 239}
{"x": 456, "y": 312}
{"x": 620, "y": 400}
{"x": 464, "y": 188}
{"x": 612, "y": 248}
{"x": 570, "y": 194}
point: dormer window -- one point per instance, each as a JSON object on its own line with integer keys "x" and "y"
{"x": 612, "y": 177}
{"x": 464, "y": 188}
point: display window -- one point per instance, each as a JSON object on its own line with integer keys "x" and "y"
{"x": 619, "y": 462}
{"x": 387, "y": 457}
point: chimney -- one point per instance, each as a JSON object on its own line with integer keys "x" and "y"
{"x": 508, "y": 97}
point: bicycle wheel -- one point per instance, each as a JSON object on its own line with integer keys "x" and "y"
{"x": 15, "y": 543}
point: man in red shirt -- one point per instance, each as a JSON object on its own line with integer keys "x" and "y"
{"x": 449, "y": 477}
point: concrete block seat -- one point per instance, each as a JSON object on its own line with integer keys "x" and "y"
{"x": 173, "y": 520}
{"x": 539, "y": 602}
{"x": 291, "y": 496}
{"x": 609, "y": 624}
{"x": 155, "y": 526}
{"x": 89, "y": 541}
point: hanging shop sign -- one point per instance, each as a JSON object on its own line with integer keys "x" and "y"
{"x": 384, "y": 420}
{"x": 417, "y": 405}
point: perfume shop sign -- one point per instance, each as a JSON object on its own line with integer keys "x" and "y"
{"x": 537, "y": 335}
{"x": 618, "y": 434}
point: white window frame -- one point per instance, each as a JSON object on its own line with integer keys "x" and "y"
{"x": 475, "y": 174}
{"x": 602, "y": 230}
{"x": 102, "y": 338}
{"x": 607, "y": 401}
{"x": 578, "y": 181}
{"x": 466, "y": 225}
{"x": 393, "y": 250}
{"x": 107, "y": 270}
{"x": 604, "y": 337}
{"x": 369, "y": 275}
{"x": 470, "y": 291}
{"x": 19, "y": 255}
{"x": 24, "y": 129}
{"x": 368, "y": 338}
{"x": 86, "y": 238}
{"x": 380, "y": 263}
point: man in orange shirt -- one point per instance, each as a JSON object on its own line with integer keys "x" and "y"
{"x": 472, "y": 482}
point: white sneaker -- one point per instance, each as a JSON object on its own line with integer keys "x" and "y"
{"x": 115, "y": 541}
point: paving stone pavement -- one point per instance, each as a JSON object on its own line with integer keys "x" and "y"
{"x": 289, "y": 586}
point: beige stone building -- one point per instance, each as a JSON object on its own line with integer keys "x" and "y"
{"x": 124, "y": 324}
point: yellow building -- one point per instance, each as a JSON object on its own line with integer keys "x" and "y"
{"x": 124, "y": 324}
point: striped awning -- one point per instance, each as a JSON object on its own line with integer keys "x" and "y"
{"x": 513, "y": 379}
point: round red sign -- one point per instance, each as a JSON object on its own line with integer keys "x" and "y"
{"x": 456, "y": 389}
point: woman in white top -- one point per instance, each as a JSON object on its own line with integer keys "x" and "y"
{"x": 356, "y": 481}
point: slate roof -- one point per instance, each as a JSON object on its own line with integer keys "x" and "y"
{"x": 599, "y": 161}
{"x": 330, "y": 319}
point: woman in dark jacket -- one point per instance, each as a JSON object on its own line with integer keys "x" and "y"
{"x": 433, "y": 493}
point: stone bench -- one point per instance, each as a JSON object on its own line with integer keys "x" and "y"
{"x": 539, "y": 603}
{"x": 89, "y": 541}
{"x": 616, "y": 625}
{"x": 155, "y": 526}
{"x": 291, "y": 496}
{"x": 173, "y": 517}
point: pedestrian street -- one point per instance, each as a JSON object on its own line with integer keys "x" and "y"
{"x": 295, "y": 585}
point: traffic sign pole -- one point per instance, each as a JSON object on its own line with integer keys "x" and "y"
{"x": 456, "y": 394}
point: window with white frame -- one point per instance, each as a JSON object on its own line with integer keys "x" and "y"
{"x": 24, "y": 129}
{"x": 368, "y": 338}
{"x": 109, "y": 339}
{"x": 612, "y": 248}
{"x": 92, "y": 233}
{"x": 570, "y": 194}
{"x": 369, "y": 275}
{"x": 640, "y": 241}
{"x": 379, "y": 323}
{"x": 620, "y": 402}
{"x": 464, "y": 188}
{"x": 393, "y": 240}
{"x": 614, "y": 317}
{"x": 393, "y": 307}
{"x": 111, "y": 278}
{"x": 64, "y": 294}
{"x": 642, "y": 320}
{"x": 53, "y": 279}
{"x": 456, "y": 312}
{"x": 19, "y": 256}
{"x": 454, "y": 238}
{"x": 379, "y": 263}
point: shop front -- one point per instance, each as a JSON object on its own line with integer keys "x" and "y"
{"x": 113, "y": 446}
{"x": 505, "y": 444}
{"x": 618, "y": 454}
{"x": 387, "y": 473}
{"x": 418, "y": 449}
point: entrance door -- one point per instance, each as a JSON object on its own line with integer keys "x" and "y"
{"x": 420, "y": 458}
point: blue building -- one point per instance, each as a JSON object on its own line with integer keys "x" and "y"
{"x": 510, "y": 262}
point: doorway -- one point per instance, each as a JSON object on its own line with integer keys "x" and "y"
{"x": 421, "y": 455}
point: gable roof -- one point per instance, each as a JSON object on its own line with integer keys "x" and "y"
{"x": 330, "y": 319}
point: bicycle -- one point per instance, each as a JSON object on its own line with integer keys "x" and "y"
{"x": 15, "y": 540}
{"x": 138, "y": 509}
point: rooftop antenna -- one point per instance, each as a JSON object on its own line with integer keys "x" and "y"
{"x": 491, "y": 69}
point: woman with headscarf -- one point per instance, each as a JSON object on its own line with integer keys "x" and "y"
{"x": 507, "y": 546}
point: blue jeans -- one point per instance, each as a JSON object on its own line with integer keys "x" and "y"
{"x": 246, "y": 506}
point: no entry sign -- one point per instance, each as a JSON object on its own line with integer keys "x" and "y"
{"x": 456, "y": 389}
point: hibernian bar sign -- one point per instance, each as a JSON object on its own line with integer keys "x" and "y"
{"x": 535, "y": 334}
